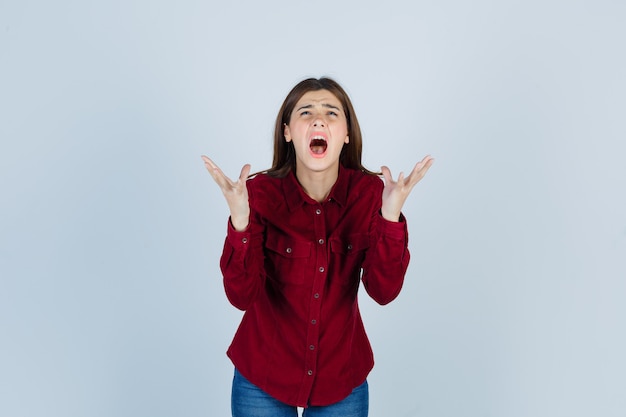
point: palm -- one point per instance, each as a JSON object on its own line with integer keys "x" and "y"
{"x": 235, "y": 192}
{"x": 395, "y": 193}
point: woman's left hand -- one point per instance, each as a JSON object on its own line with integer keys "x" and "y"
{"x": 396, "y": 192}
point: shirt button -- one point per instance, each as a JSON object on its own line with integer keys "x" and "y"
{"x": 288, "y": 250}
{"x": 313, "y": 321}
{"x": 318, "y": 211}
{"x": 349, "y": 247}
{"x": 321, "y": 269}
{"x": 244, "y": 240}
{"x": 321, "y": 241}
{"x": 311, "y": 347}
{"x": 309, "y": 372}
{"x": 316, "y": 295}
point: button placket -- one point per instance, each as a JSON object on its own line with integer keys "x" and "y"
{"x": 320, "y": 260}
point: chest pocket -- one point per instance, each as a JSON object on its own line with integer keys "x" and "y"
{"x": 287, "y": 259}
{"x": 348, "y": 253}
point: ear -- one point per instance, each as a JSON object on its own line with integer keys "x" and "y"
{"x": 347, "y": 139}
{"x": 287, "y": 133}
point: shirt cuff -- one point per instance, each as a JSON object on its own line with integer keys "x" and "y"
{"x": 394, "y": 230}
{"x": 238, "y": 239}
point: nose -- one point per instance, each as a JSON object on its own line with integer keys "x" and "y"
{"x": 319, "y": 122}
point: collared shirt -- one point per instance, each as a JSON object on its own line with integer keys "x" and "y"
{"x": 296, "y": 270}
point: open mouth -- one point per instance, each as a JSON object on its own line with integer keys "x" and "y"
{"x": 318, "y": 145}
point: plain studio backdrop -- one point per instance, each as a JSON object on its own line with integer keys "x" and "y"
{"x": 111, "y": 300}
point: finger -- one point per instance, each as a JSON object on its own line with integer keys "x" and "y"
{"x": 425, "y": 165}
{"x": 220, "y": 178}
{"x": 210, "y": 165}
{"x": 386, "y": 174}
{"x": 414, "y": 176}
{"x": 245, "y": 171}
{"x": 421, "y": 164}
{"x": 420, "y": 169}
{"x": 207, "y": 160}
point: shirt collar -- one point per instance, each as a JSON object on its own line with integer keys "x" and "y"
{"x": 296, "y": 197}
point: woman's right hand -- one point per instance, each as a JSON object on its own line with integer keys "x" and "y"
{"x": 236, "y": 193}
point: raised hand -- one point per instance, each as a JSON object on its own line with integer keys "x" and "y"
{"x": 235, "y": 192}
{"x": 395, "y": 193}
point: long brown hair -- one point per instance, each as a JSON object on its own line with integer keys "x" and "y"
{"x": 284, "y": 152}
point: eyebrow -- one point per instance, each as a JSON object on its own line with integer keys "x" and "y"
{"x": 329, "y": 106}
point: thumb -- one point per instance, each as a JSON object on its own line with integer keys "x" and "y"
{"x": 386, "y": 174}
{"x": 245, "y": 171}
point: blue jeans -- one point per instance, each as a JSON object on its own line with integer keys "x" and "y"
{"x": 249, "y": 401}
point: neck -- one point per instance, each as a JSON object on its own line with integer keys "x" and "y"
{"x": 317, "y": 185}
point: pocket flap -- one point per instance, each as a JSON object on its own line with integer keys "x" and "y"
{"x": 288, "y": 248}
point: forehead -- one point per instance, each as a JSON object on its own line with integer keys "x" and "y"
{"x": 319, "y": 97}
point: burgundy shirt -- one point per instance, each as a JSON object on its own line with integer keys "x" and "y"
{"x": 295, "y": 271}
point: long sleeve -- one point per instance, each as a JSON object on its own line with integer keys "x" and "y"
{"x": 386, "y": 260}
{"x": 242, "y": 264}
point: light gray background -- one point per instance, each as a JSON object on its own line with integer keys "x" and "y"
{"x": 111, "y": 301}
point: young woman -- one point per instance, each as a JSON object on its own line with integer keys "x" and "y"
{"x": 301, "y": 236}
